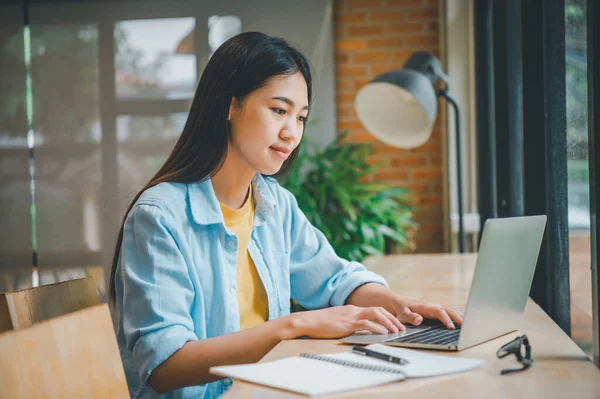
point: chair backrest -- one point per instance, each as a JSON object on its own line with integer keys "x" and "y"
{"x": 71, "y": 356}
{"x": 23, "y": 308}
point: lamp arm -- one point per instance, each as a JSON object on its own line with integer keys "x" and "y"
{"x": 461, "y": 229}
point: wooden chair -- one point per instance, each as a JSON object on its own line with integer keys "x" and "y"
{"x": 71, "y": 356}
{"x": 23, "y": 308}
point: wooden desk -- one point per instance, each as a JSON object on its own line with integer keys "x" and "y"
{"x": 560, "y": 368}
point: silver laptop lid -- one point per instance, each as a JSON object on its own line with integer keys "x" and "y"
{"x": 505, "y": 265}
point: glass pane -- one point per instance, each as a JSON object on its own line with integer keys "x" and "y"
{"x": 68, "y": 158}
{"x": 140, "y": 128}
{"x": 578, "y": 172}
{"x": 15, "y": 198}
{"x": 154, "y": 59}
{"x": 65, "y": 83}
{"x": 141, "y": 167}
{"x": 222, "y": 28}
{"x": 145, "y": 142}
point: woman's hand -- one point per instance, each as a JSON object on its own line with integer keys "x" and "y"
{"x": 405, "y": 309}
{"x": 411, "y": 311}
{"x": 341, "y": 321}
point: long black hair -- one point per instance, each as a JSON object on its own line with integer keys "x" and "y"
{"x": 241, "y": 65}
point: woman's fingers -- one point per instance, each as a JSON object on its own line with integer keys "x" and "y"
{"x": 366, "y": 324}
{"x": 380, "y": 321}
{"x": 408, "y": 315}
{"x": 380, "y": 316}
{"x": 435, "y": 311}
{"x": 456, "y": 316}
{"x": 393, "y": 318}
{"x": 442, "y": 315}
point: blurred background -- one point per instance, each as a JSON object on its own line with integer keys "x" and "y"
{"x": 94, "y": 94}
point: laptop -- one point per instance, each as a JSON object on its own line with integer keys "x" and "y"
{"x": 501, "y": 282}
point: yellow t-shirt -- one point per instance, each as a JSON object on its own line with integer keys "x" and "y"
{"x": 251, "y": 294}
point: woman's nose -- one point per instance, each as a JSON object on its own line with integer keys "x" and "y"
{"x": 291, "y": 131}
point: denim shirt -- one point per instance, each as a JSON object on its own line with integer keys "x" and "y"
{"x": 176, "y": 277}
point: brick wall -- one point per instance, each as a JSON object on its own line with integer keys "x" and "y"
{"x": 371, "y": 37}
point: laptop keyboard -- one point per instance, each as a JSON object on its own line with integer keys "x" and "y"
{"x": 437, "y": 335}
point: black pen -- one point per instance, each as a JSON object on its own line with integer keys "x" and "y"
{"x": 359, "y": 350}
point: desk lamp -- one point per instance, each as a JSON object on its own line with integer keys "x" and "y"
{"x": 399, "y": 108}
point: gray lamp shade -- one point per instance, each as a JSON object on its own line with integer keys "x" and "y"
{"x": 398, "y": 107}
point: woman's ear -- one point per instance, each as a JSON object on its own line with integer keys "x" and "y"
{"x": 234, "y": 104}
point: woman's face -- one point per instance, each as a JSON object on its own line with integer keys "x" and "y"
{"x": 268, "y": 124}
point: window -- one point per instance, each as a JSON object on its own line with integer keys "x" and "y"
{"x": 578, "y": 173}
{"x": 149, "y": 61}
{"x": 111, "y": 87}
{"x": 15, "y": 207}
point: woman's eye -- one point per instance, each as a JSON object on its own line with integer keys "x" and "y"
{"x": 302, "y": 119}
{"x": 279, "y": 111}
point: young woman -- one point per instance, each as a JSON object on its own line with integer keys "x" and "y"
{"x": 212, "y": 249}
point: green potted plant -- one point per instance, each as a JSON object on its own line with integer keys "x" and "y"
{"x": 359, "y": 218}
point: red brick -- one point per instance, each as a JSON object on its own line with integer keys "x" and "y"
{"x": 428, "y": 199}
{"x": 387, "y": 16}
{"x": 430, "y": 245}
{"x": 350, "y": 45}
{"x": 350, "y": 17}
{"x": 433, "y": 27}
{"x": 344, "y": 84}
{"x": 400, "y": 56}
{"x": 381, "y": 148}
{"x": 437, "y": 126}
{"x": 409, "y": 160}
{"x": 431, "y": 214}
{"x": 345, "y": 97}
{"x": 426, "y": 174}
{"x": 436, "y": 160}
{"x": 436, "y": 188}
{"x": 346, "y": 110}
{"x": 358, "y": 83}
{"x": 362, "y": 137}
{"x": 379, "y": 161}
{"x": 429, "y": 147}
{"x": 381, "y": 68}
{"x": 353, "y": 4}
{"x": 430, "y": 228}
{"x": 405, "y": 27}
{"x": 417, "y": 186}
{"x": 341, "y": 31}
{"x": 370, "y": 56}
{"x": 404, "y": 3}
{"x": 351, "y": 70}
{"x": 386, "y": 43}
{"x": 391, "y": 175}
{"x": 420, "y": 41}
{"x": 429, "y": 13}
{"x": 350, "y": 124}
{"x": 374, "y": 158}
{"x": 341, "y": 58}
{"x": 429, "y": 242}
{"x": 366, "y": 30}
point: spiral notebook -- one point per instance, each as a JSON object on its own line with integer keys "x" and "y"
{"x": 319, "y": 374}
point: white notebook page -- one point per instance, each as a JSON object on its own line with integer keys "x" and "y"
{"x": 317, "y": 377}
{"x": 308, "y": 376}
{"x": 424, "y": 364}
